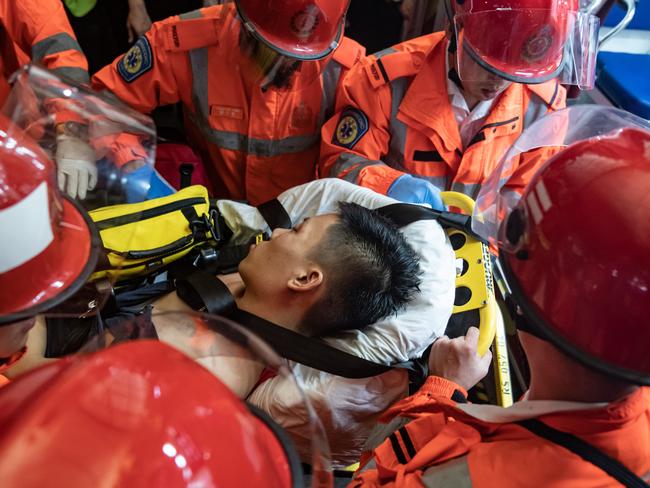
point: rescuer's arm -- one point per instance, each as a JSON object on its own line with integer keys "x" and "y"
{"x": 357, "y": 137}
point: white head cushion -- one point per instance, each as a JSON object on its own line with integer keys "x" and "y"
{"x": 349, "y": 407}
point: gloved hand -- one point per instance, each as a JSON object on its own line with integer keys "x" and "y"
{"x": 76, "y": 168}
{"x": 410, "y": 189}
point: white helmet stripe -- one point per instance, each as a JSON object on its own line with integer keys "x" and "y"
{"x": 25, "y": 228}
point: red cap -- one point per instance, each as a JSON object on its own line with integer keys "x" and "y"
{"x": 578, "y": 256}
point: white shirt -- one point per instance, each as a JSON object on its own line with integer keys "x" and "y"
{"x": 469, "y": 122}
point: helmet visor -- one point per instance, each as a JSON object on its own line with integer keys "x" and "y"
{"x": 262, "y": 64}
{"x": 502, "y": 191}
{"x": 527, "y": 46}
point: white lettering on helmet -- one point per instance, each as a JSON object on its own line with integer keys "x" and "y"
{"x": 543, "y": 196}
{"x": 533, "y": 206}
{"x": 26, "y": 229}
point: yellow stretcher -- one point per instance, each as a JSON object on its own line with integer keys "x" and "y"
{"x": 474, "y": 279}
{"x": 475, "y": 291}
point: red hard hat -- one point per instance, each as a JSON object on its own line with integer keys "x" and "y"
{"x": 302, "y": 29}
{"x": 135, "y": 415}
{"x": 48, "y": 246}
{"x": 577, "y": 253}
{"x": 520, "y": 40}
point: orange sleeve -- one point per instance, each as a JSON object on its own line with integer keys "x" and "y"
{"x": 356, "y": 138}
{"x": 529, "y": 164}
{"x": 41, "y": 29}
{"x": 145, "y": 77}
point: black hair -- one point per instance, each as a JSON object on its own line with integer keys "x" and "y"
{"x": 370, "y": 270}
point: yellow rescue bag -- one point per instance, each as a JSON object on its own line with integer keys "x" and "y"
{"x": 141, "y": 239}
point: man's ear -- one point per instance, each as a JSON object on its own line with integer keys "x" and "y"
{"x": 307, "y": 279}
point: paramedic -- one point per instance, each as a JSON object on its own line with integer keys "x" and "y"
{"x": 580, "y": 294}
{"x": 437, "y": 112}
{"x": 257, "y": 80}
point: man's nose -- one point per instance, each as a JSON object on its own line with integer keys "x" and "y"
{"x": 278, "y": 231}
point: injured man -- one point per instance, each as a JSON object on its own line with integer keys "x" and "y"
{"x": 331, "y": 272}
{"x": 343, "y": 273}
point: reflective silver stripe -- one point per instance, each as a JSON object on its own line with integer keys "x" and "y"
{"x": 77, "y": 74}
{"x": 381, "y": 432}
{"x": 469, "y": 189}
{"x": 384, "y": 52}
{"x": 344, "y": 162}
{"x": 395, "y": 156}
{"x": 330, "y": 80}
{"x": 54, "y": 44}
{"x": 536, "y": 108}
{"x": 347, "y": 160}
{"x": 235, "y": 141}
{"x": 199, "y": 63}
{"x": 370, "y": 465}
{"x": 453, "y": 474}
{"x": 267, "y": 148}
{"x": 194, "y": 14}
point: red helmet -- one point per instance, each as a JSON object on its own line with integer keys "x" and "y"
{"x": 577, "y": 256}
{"x": 301, "y": 29}
{"x": 48, "y": 246}
{"x": 138, "y": 414}
{"x": 519, "y": 40}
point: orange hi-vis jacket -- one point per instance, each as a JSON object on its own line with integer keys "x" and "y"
{"x": 255, "y": 144}
{"x": 434, "y": 442}
{"x": 38, "y": 30}
{"x": 394, "y": 117}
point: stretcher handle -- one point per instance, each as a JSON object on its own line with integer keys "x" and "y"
{"x": 487, "y": 313}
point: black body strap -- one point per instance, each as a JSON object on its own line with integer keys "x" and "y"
{"x": 201, "y": 290}
{"x": 275, "y": 214}
{"x": 586, "y": 451}
{"x": 403, "y": 214}
{"x": 310, "y": 351}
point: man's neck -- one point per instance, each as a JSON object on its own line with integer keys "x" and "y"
{"x": 576, "y": 385}
{"x": 285, "y": 316}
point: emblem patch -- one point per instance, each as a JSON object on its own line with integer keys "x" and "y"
{"x": 352, "y": 125}
{"x": 538, "y": 44}
{"x": 137, "y": 60}
{"x": 304, "y": 22}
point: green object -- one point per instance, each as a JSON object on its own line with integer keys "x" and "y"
{"x": 79, "y": 8}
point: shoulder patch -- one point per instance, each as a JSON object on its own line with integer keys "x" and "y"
{"x": 351, "y": 127}
{"x": 137, "y": 60}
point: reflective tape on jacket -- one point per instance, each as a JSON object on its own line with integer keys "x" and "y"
{"x": 39, "y": 31}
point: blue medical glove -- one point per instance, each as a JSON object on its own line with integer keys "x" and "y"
{"x": 410, "y": 189}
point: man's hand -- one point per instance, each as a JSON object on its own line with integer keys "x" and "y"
{"x": 76, "y": 169}
{"x": 138, "y": 21}
{"x": 410, "y": 189}
{"x": 457, "y": 359}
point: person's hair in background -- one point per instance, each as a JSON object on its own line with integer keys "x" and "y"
{"x": 371, "y": 272}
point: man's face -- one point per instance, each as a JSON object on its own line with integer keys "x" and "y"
{"x": 13, "y": 337}
{"x": 271, "y": 264}
{"x": 479, "y": 83}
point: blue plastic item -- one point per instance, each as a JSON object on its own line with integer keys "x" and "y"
{"x": 624, "y": 79}
{"x": 641, "y": 19}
